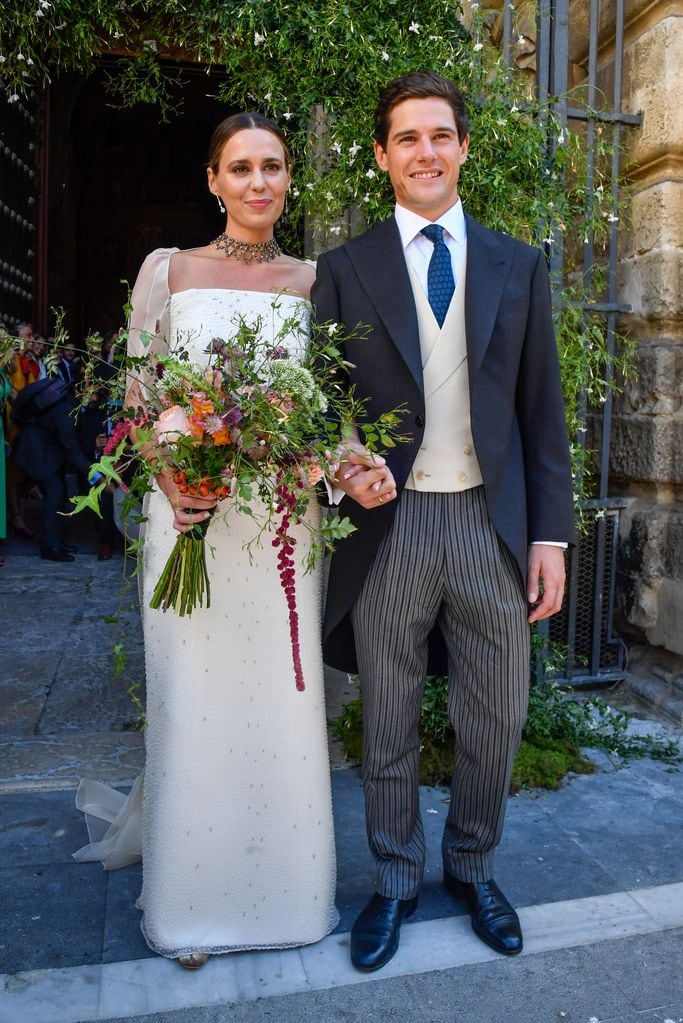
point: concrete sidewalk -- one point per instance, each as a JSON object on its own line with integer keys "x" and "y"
{"x": 596, "y": 867}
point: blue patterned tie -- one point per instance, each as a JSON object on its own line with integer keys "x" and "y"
{"x": 440, "y": 282}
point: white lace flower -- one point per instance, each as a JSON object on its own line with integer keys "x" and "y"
{"x": 414, "y": 27}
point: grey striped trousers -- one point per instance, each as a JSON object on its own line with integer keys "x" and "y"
{"x": 440, "y": 562}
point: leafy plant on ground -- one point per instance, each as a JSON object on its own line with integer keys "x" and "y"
{"x": 559, "y": 725}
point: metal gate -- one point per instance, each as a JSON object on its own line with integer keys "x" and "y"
{"x": 584, "y": 626}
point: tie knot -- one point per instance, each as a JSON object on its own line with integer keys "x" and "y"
{"x": 434, "y": 232}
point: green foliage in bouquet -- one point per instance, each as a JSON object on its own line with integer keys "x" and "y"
{"x": 256, "y": 426}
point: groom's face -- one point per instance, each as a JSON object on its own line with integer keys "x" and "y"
{"x": 423, "y": 155}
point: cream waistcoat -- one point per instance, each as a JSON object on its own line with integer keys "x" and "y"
{"x": 446, "y": 460}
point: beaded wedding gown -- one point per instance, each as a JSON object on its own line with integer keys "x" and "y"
{"x": 237, "y": 837}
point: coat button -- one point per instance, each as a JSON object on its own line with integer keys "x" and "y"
{"x": 419, "y": 474}
{"x": 462, "y": 477}
{"x": 467, "y": 450}
{"x": 419, "y": 421}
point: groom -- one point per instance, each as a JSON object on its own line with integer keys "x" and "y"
{"x": 460, "y": 533}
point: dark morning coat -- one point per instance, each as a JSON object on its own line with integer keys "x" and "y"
{"x": 517, "y": 410}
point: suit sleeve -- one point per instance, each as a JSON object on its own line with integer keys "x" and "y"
{"x": 541, "y": 416}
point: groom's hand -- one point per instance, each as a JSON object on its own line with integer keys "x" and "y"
{"x": 364, "y": 477}
{"x": 545, "y": 581}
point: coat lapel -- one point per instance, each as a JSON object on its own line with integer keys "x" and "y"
{"x": 488, "y": 266}
{"x": 378, "y": 260}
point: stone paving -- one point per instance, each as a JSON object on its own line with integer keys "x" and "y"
{"x": 574, "y": 855}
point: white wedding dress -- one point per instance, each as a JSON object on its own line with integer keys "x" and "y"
{"x": 237, "y": 836}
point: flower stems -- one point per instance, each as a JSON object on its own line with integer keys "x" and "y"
{"x": 184, "y": 583}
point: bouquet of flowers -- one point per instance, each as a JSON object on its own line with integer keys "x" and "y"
{"x": 256, "y": 425}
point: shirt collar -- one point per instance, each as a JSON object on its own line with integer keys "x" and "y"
{"x": 410, "y": 224}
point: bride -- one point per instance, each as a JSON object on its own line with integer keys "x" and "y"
{"x": 237, "y": 838}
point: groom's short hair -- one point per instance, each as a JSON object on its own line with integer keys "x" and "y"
{"x": 418, "y": 85}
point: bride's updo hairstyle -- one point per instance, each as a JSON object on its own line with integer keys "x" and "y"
{"x": 238, "y": 122}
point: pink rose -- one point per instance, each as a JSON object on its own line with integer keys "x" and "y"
{"x": 171, "y": 425}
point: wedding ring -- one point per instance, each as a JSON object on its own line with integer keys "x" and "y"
{"x": 381, "y": 500}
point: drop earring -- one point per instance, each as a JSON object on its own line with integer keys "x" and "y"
{"x": 221, "y": 207}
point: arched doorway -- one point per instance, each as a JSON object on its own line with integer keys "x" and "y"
{"x": 121, "y": 182}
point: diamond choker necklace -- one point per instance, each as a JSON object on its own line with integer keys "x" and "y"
{"x": 262, "y": 252}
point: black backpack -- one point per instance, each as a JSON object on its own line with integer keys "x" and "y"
{"x": 34, "y": 399}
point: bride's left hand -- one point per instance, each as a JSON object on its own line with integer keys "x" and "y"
{"x": 187, "y": 510}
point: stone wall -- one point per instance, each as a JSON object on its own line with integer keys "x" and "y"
{"x": 646, "y": 463}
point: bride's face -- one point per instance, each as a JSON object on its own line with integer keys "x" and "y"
{"x": 252, "y": 180}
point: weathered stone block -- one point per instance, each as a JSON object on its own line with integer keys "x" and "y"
{"x": 652, "y": 78}
{"x": 651, "y": 283}
{"x": 650, "y": 576}
{"x": 657, "y": 387}
{"x": 647, "y": 449}
{"x": 654, "y": 219}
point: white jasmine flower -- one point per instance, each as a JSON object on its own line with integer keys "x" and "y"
{"x": 414, "y": 27}
{"x": 114, "y": 35}
{"x": 474, "y": 6}
{"x": 20, "y": 56}
{"x": 151, "y": 44}
{"x": 336, "y": 148}
{"x": 366, "y": 197}
{"x": 13, "y": 98}
{"x": 612, "y": 219}
{"x": 371, "y": 173}
{"x": 268, "y": 96}
{"x": 384, "y": 55}
{"x": 39, "y": 13}
{"x": 521, "y": 40}
{"x": 29, "y": 60}
{"x": 3, "y": 58}
{"x": 329, "y": 196}
{"x": 45, "y": 3}
{"x": 501, "y": 122}
{"x": 514, "y": 108}
{"x": 332, "y": 328}
{"x": 477, "y": 47}
{"x": 335, "y": 229}
{"x": 448, "y": 63}
{"x": 560, "y": 138}
{"x": 258, "y": 38}
{"x": 296, "y": 193}
{"x": 287, "y": 115}
{"x": 354, "y": 150}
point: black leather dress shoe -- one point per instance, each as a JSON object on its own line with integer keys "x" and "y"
{"x": 68, "y": 548}
{"x": 493, "y": 918}
{"x": 374, "y": 936}
{"x": 55, "y": 554}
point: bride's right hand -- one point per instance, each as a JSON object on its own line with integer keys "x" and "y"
{"x": 200, "y": 507}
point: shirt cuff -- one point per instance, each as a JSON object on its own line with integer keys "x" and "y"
{"x": 551, "y": 543}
